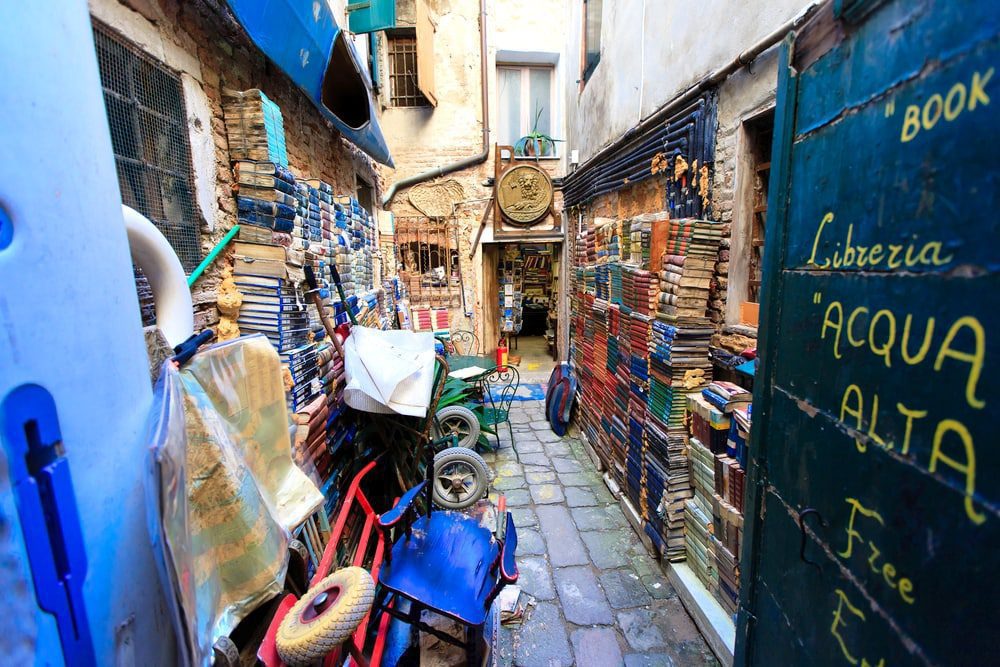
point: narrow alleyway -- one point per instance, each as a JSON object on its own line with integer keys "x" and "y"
{"x": 600, "y": 598}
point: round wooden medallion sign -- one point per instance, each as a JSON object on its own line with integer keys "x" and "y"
{"x": 524, "y": 194}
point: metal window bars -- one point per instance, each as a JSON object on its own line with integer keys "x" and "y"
{"x": 403, "y": 89}
{"x": 428, "y": 261}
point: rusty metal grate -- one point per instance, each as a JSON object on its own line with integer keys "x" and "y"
{"x": 403, "y": 90}
{"x": 428, "y": 261}
{"x": 149, "y": 136}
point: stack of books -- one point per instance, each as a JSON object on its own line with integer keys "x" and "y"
{"x": 271, "y": 303}
{"x": 668, "y": 484}
{"x": 430, "y": 319}
{"x": 301, "y": 364}
{"x": 265, "y": 197}
{"x": 309, "y": 442}
{"x": 640, "y": 290}
{"x": 698, "y": 513}
{"x": 639, "y": 232}
{"x": 255, "y": 127}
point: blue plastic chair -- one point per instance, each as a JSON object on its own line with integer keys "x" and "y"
{"x": 445, "y": 562}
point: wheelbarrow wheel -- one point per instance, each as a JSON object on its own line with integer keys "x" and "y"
{"x": 325, "y": 617}
{"x": 461, "y": 478}
{"x": 458, "y": 420}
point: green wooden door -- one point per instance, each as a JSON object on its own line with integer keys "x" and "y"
{"x": 876, "y": 404}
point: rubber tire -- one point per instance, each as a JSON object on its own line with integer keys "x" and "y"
{"x": 302, "y": 643}
{"x": 476, "y": 462}
{"x": 460, "y": 412}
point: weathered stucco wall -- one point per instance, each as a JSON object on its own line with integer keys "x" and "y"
{"x": 651, "y": 51}
{"x": 190, "y": 39}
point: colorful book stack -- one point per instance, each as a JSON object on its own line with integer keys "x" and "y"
{"x": 255, "y": 128}
{"x": 729, "y": 485}
{"x": 698, "y": 527}
{"x": 687, "y": 268}
{"x": 640, "y": 289}
{"x": 301, "y": 364}
{"x": 638, "y": 335}
{"x": 265, "y": 196}
{"x": 602, "y": 281}
{"x": 625, "y": 240}
{"x": 668, "y": 485}
{"x": 616, "y": 286}
{"x": 430, "y": 319}
{"x": 309, "y": 442}
{"x": 640, "y": 229}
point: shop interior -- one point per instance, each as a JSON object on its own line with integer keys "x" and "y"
{"x": 528, "y": 298}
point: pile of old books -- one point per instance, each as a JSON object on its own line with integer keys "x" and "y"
{"x": 265, "y": 196}
{"x": 668, "y": 485}
{"x": 639, "y": 240}
{"x": 640, "y": 289}
{"x": 255, "y": 128}
{"x": 272, "y": 305}
{"x": 698, "y": 525}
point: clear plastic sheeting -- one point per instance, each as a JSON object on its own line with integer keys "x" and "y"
{"x": 389, "y": 371}
{"x": 223, "y": 492}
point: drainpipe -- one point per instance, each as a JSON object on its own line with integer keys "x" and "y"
{"x": 465, "y": 162}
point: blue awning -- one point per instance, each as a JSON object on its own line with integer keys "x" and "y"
{"x": 304, "y": 40}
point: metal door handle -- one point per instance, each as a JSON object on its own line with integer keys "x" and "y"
{"x": 802, "y": 528}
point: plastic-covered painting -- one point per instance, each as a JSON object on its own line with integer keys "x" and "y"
{"x": 223, "y": 490}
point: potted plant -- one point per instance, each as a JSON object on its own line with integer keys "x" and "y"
{"x": 535, "y": 144}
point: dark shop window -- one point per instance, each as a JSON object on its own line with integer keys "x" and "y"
{"x": 149, "y": 136}
{"x": 591, "y": 36}
{"x": 403, "y": 87}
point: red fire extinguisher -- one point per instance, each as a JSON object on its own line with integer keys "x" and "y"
{"x": 502, "y": 354}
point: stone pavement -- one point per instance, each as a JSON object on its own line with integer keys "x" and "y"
{"x": 601, "y": 599}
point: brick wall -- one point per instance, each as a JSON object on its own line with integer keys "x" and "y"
{"x": 218, "y": 56}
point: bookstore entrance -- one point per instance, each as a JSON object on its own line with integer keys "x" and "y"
{"x": 522, "y": 297}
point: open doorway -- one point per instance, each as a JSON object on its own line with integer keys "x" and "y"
{"x": 528, "y": 291}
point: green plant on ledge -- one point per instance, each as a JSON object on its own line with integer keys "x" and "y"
{"x": 535, "y": 144}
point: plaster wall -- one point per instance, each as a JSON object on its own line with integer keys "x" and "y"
{"x": 652, "y": 51}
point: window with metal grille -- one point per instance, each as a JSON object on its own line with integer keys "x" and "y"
{"x": 149, "y": 136}
{"x": 428, "y": 260}
{"x": 403, "y": 90}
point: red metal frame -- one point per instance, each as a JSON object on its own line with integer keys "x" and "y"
{"x": 354, "y": 500}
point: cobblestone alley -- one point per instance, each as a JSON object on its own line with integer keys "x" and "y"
{"x": 601, "y": 599}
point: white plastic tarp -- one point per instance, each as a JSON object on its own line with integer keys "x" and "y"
{"x": 389, "y": 371}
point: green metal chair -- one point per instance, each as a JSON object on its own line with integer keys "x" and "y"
{"x": 466, "y": 343}
{"x": 499, "y": 387}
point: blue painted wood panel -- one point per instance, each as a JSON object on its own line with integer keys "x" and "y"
{"x": 876, "y": 403}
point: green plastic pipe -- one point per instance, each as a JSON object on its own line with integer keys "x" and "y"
{"x": 205, "y": 263}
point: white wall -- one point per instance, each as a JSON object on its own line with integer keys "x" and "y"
{"x": 653, "y": 50}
